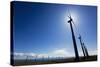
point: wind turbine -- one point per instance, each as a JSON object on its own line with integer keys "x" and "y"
{"x": 84, "y": 49}
{"x": 70, "y": 21}
{"x": 82, "y": 45}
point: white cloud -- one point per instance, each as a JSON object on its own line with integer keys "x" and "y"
{"x": 30, "y": 54}
{"x": 18, "y": 54}
{"x": 60, "y": 53}
{"x": 42, "y": 55}
{"x": 24, "y": 55}
{"x": 55, "y": 53}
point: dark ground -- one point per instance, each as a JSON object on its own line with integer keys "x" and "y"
{"x": 66, "y": 60}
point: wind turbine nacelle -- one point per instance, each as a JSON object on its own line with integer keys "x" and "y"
{"x": 69, "y": 21}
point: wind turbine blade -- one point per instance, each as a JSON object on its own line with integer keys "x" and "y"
{"x": 77, "y": 31}
{"x": 68, "y": 16}
{"x": 73, "y": 23}
{"x": 69, "y": 13}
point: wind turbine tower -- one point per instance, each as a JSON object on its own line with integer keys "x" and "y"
{"x": 74, "y": 40}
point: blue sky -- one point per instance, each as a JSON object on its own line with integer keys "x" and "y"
{"x": 41, "y": 28}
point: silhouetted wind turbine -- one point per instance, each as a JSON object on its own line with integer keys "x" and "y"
{"x": 70, "y": 21}
{"x": 82, "y": 46}
{"x": 85, "y": 51}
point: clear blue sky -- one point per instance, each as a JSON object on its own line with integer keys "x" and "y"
{"x": 41, "y": 28}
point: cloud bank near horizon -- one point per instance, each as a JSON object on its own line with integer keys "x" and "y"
{"x": 56, "y": 53}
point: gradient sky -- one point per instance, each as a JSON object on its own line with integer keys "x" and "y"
{"x": 42, "y": 28}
